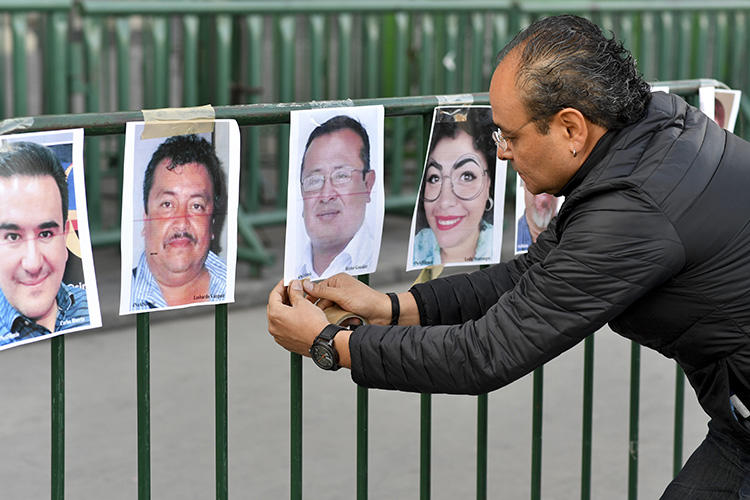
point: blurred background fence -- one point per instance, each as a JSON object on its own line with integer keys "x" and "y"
{"x": 66, "y": 56}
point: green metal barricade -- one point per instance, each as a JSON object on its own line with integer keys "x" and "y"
{"x": 184, "y": 53}
{"x": 112, "y": 125}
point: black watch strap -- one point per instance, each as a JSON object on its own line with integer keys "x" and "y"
{"x": 329, "y": 331}
{"x": 395, "y": 308}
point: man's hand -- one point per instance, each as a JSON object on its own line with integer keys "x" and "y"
{"x": 351, "y": 295}
{"x": 293, "y": 321}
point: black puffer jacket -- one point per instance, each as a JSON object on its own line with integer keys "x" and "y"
{"x": 653, "y": 238}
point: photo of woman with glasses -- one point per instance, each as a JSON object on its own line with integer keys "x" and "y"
{"x": 454, "y": 221}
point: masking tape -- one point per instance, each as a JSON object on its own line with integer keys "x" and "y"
{"x": 13, "y": 124}
{"x": 338, "y": 316}
{"x": 167, "y": 122}
{"x": 428, "y": 273}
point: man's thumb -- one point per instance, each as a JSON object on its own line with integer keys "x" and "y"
{"x": 296, "y": 293}
{"x": 313, "y": 289}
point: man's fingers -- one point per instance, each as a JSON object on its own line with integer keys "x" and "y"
{"x": 296, "y": 293}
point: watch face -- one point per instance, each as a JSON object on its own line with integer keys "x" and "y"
{"x": 321, "y": 354}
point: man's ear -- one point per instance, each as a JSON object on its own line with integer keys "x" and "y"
{"x": 574, "y": 127}
{"x": 369, "y": 182}
{"x": 143, "y": 226}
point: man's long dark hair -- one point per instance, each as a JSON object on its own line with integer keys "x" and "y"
{"x": 567, "y": 61}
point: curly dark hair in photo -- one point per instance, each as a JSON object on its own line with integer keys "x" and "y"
{"x": 184, "y": 149}
{"x": 477, "y": 123}
{"x": 567, "y": 62}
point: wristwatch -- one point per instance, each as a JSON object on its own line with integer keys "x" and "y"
{"x": 322, "y": 351}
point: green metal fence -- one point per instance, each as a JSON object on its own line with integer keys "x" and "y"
{"x": 110, "y": 55}
{"x": 112, "y": 125}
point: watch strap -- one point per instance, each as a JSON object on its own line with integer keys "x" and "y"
{"x": 329, "y": 331}
{"x": 395, "y": 308}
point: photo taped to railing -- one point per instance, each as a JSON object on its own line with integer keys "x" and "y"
{"x": 459, "y": 211}
{"x": 335, "y": 204}
{"x": 179, "y": 218}
{"x": 47, "y": 279}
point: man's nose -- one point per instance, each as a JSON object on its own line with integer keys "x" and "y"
{"x": 504, "y": 154}
{"x": 32, "y": 257}
{"x": 328, "y": 190}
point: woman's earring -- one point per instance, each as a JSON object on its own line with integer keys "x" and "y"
{"x": 490, "y": 203}
{"x": 574, "y": 152}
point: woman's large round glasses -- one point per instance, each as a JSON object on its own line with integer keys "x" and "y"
{"x": 467, "y": 178}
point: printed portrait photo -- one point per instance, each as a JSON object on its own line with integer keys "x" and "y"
{"x": 533, "y": 214}
{"x": 179, "y": 218}
{"x": 458, "y": 216}
{"x": 47, "y": 279}
{"x": 722, "y": 105}
{"x": 335, "y": 204}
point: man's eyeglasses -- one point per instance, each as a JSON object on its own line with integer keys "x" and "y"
{"x": 467, "y": 179}
{"x": 340, "y": 176}
{"x": 501, "y": 142}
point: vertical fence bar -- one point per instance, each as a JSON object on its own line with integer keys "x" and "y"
{"x": 739, "y": 45}
{"x": 679, "y": 418}
{"x": 122, "y": 40}
{"x": 370, "y": 57}
{"x": 362, "y": 430}
{"x": 254, "y": 26}
{"x": 143, "y": 388}
{"x": 721, "y": 48}
{"x": 684, "y": 40}
{"x": 190, "y": 78}
{"x": 401, "y": 88}
{"x": 699, "y": 52}
{"x": 427, "y": 56}
{"x": 286, "y": 32}
{"x": 295, "y": 427}
{"x": 425, "y": 445}
{"x": 55, "y": 64}
{"x": 588, "y": 405}
{"x": 317, "y": 71}
{"x": 648, "y": 61}
{"x": 477, "y": 53}
{"x": 220, "y": 362}
{"x": 362, "y": 446}
{"x": 223, "y": 58}
{"x": 160, "y": 60}
{"x": 635, "y": 390}
{"x": 536, "y": 434}
{"x": 482, "y": 447}
{"x": 666, "y": 47}
{"x": 343, "y": 82}
{"x": 452, "y": 53}
{"x": 92, "y": 147}
{"x": 20, "y": 81}
{"x": 57, "y": 403}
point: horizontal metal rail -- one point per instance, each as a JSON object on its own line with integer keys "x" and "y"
{"x": 268, "y": 114}
{"x": 146, "y": 7}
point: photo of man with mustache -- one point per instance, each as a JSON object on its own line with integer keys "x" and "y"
{"x": 184, "y": 205}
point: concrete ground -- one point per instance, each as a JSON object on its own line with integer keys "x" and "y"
{"x": 101, "y": 440}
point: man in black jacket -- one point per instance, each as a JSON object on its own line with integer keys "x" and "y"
{"x": 636, "y": 245}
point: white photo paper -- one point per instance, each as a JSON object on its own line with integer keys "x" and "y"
{"x": 335, "y": 201}
{"x": 458, "y": 215}
{"x": 47, "y": 279}
{"x": 533, "y": 215}
{"x": 179, "y": 218}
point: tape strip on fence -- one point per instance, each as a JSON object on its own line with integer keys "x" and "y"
{"x": 167, "y": 122}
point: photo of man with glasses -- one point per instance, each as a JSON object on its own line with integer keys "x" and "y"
{"x": 337, "y": 183}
